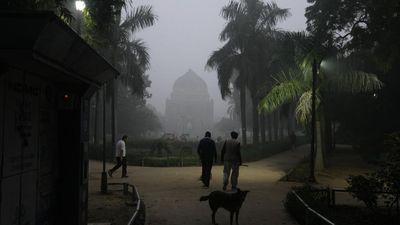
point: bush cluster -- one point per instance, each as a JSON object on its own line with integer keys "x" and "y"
{"x": 383, "y": 183}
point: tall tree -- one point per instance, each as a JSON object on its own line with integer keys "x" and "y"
{"x": 367, "y": 30}
{"x": 248, "y": 22}
{"x": 112, "y": 31}
{"x": 227, "y": 61}
{"x": 131, "y": 54}
{"x": 335, "y": 75}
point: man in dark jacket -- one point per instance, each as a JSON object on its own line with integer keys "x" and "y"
{"x": 207, "y": 152}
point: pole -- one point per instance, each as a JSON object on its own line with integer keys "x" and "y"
{"x": 79, "y": 23}
{"x": 104, "y": 174}
{"x": 313, "y": 119}
{"x": 113, "y": 113}
{"x": 80, "y": 7}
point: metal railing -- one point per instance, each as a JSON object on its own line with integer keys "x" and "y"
{"x": 333, "y": 198}
{"x": 139, "y": 215}
{"x": 332, "y": 192}
{"x": 311, "y": 216}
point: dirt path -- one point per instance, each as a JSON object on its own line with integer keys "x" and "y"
{"x": 172, "y": 194}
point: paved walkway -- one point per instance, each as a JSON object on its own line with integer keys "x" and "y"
{"x": 172, "y": 194}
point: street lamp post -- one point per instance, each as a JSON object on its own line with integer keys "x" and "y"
{"x": 79, "y": 6}
{"x": 103, "y": 173}
{"x": 313, "y": 120}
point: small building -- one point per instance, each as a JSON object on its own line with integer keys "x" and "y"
{"x": 189, "y": 110}
{"x": 47, "y": 75}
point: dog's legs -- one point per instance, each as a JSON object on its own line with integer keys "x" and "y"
{"x": 237, "y": 217}
{"x": 232, "y": 216}
{"x": 213, "y": 217}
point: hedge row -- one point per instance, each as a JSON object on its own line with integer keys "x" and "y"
{"x": 185, "y": 153}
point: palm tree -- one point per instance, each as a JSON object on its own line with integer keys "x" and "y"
{"x": 228, "y": 63}
{"x": 113, "y": 35}
{"x": 130, "y": 55}
{"x": 276, "y": 52}
{"x": 335, "y": 75}
{"x": 248, "y": 22}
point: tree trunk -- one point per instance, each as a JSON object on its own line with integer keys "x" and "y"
{"x": 280, "y": 124}
{"x": 320, "y": 151}
{"x": 255, "y": 118}
{"x": 269, "y": 123}
{"x": 104, "y": 125}
{"x": 96, "y": 118}
{"x": 293, "y": 117}
{"x": 291, "y": 120}
{"x": 272, "y": 121}
{"x": 333, "y": 136}
{"x": 113, "y": 82}
{"x": 328, "y": 132}
{"x": 114, "y": 85}
{"x": 324, "y": 137}
{"x": 288, "y": 128}
{"x": 276, "y": 125}
{"x": 262, "y": 127}
{"x": 243, "y": 112}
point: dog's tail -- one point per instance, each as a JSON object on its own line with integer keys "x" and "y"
{"x": 204, "y": 198}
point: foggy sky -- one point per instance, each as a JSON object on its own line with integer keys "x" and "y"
{"x": 183, "y": 38}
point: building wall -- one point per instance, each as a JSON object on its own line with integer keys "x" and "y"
{"x": 2, "y": 103}
{"x": 20, "y": 149}
{"x": 31, "y": 168}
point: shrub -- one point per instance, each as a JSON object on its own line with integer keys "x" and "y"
{"x": 385, "y": 179}
{"x": 364, "y": 189}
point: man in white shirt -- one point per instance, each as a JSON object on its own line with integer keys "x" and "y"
{"x": 120, "y": 156}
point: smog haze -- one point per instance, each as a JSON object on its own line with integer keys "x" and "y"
{"x": 183, "y": 38}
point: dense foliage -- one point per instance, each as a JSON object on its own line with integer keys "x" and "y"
{"x": 110, "y": 27}
{"x": 366, "y": 30}
{"x": 354, "y": 45}
{"x": 384, "y": 183}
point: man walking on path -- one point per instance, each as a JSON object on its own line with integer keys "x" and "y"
{"x": 207, "y": 152}
{"x": 232, "y": 159}
{"x": 120, "y": 156}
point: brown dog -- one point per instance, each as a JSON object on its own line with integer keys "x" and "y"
{"x": 229, "y": 201}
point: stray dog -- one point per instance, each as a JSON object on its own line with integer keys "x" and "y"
{"x": 229, "y": 201}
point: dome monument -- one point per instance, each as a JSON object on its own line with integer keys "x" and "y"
{"x": 189, "y": 109}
